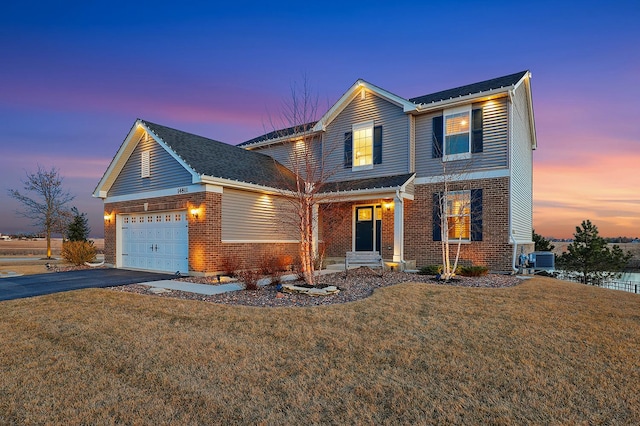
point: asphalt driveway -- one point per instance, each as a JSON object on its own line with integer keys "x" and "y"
{"x": 37, "y": 285}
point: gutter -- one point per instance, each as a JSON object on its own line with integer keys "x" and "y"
{"x": 452, "y": 102}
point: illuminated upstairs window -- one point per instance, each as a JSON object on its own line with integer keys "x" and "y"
{"x": 363, "y": 145}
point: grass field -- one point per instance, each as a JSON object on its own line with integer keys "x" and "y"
{"x": 36, "y": 248}
{"x": 32, "y": 255}
{"x": 544, "y": 352}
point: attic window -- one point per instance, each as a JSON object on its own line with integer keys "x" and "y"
{"x": 145, "y": 169}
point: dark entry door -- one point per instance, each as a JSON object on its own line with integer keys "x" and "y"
{"x": 365, "y": 221}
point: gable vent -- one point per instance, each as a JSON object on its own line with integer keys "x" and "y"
{"x": 145, "y": 165}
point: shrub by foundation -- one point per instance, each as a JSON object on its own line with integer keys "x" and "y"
{"x": 430, "y": 270}
{"x": 230, "y": 264}
{"x": 78, "y": 252}
{"x": 268, "y": 265}
{"x": 473, "y": 271}
{"x": 249, "y": 278}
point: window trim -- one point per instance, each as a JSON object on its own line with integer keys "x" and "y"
{"x": 452, "y": 111}
{"x": 468, "y": 199}
{"x": 361, "y": 126}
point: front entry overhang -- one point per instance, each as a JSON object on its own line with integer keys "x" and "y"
{"x": 398, "y": 188}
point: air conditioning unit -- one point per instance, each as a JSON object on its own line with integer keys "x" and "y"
{"x": 542, "y": 260}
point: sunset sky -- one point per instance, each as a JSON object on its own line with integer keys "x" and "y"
{"x": 75, "y": 75}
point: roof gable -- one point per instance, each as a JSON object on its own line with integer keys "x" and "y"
{"x": 202, "y": 157}
{"x": 119, "y": 161}
{"x": 208, "y": 157}
{"x": 350, "y": 94}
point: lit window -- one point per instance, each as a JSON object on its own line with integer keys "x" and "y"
{"x": 363, "y": 145}
{"x": 459, "y": 215}
{"x": 457, "y": 137}
{"x": 145, "y": 165}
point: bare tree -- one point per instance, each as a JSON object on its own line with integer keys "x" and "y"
{"x": 48, "y": 209}
{"x": 454, "y": 211}
{"x": 306, "y": 155}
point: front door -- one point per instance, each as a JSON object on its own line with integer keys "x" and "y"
{"x": 368, "y": 229}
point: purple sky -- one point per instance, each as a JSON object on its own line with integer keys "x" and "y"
{"x": 74, "y": 77}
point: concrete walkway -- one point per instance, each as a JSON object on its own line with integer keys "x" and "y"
{"x": 211, "y": 289}
{"x": 206, "y": 289}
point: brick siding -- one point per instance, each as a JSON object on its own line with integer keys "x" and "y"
{"x": 207, "y": 254}
{"x": 494, "y": 251}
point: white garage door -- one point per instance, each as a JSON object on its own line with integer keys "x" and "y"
{"x": 155, "y": 241}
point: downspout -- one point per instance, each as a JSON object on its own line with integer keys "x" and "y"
{"x": 515, "y": 253}
{"x": 511, "y": 237}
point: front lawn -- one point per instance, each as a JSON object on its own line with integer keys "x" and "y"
{"x": 542, "y": 352}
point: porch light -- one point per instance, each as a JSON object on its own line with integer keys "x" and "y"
{"x": 107, "y": 217}
{"x": 388, "y": 206}
{"x": 195, "y": 213}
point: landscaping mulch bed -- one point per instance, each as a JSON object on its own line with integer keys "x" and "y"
{"x": 359, "y": 284}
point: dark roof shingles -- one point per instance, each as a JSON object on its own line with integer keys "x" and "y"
{"x": 218, "y": 159}
{"x": 289, "y": 131}
{"x": 483, "y": 86}
{"x": 395, "y": 181}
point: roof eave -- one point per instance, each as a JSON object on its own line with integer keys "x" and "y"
{"x": 281, "y": 139}
{"x": 453, "y": 102}
{"x": 236, "y": 184}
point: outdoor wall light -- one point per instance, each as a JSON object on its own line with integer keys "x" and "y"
{"x": 194, "y": 213}
{"x": 107, "y": 217}
{"x": 388, "y": 206}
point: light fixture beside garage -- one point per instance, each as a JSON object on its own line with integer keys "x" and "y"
{"x": 107, "y": 217}
{"x": 195, "y": 213}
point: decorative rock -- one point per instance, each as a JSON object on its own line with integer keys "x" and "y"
{"x": 289, "y": 288}
{"x": 158, "y": 290}
{"x": 279, "y": 295}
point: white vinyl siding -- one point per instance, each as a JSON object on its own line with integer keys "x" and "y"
{"x": 495, "y": 142}
{"x": 290, "y": 154}
{"x": 253, "y": 217}
{"x": 395, "y": 138}
{"x": 521, "y": 168}
{"x": 164, "y": 171}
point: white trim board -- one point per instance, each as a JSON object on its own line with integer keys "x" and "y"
{"x": 490, "y": 174}
{"x": 183, "y": 190}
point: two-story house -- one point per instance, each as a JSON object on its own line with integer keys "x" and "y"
{"x": 395, "y": 171}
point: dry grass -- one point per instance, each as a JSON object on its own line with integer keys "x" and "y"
{"x": 544, "y": 352}
{"x": 38, "y": 248}
{"x": 30, "y": 267}
{"x": 32, "y": 255}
